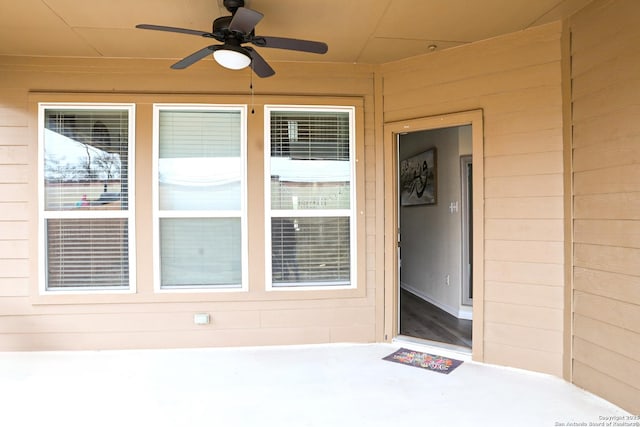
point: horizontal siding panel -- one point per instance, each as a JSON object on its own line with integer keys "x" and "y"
{"x": 606, "y": 50}
{"x": 524, "y": 165}
{"x": 607, "y": 232}
{"x": 14, "y": 155}
{"x": 524, "y": 273}
{"x": 614, "y": 338}
{"x": 433, "y": 108}
{"x": 549, "y": 230}
{"x": 599, "y": 23}
{"x": 607, "y": 100}
{"x": 523, "y": 315}
{"x": 358, "y": 333}
{"x": 537, "y": 141}
{"x": 623, "y": 206}
{"x": 163, "y": 339}
{"x": 318, "y": 317}
{"x": 13, "y": 108}
{"x": 606, "y": 387}
{"x": 12, "y": 136}
{"x": 601, "y": 76}
{"x": 13, "y": 287}
{"x": 471, "y": 87}
{"x": 121, "y": 322}
{"x": 506, "y": 124}
{"x": 523, "y": 294}
{"x": 608, "y": 258}
{"x": 615, "y": 126}
{"x": 524, "y": 251}
{"x": 12, "y": 211}
{"x": 619, "y": 179}
{"x": 521, "y": 208}
{"x": 621, "y": 152}
{"x": 611, "y": 311}
{"x": 154, "y": 76}
{"x": 523, "y": 358}
{"x": 621, "y": 287}
{"x": 148, "y": 302}
{"x": 14, "y": 174}
{"x": 528, "y": 100}
{"x": 14, "y": 230}
{"x": 15, "y": 192}
{"x": 607, "y": 362}
{"x": 523, "y": 186}
{"x": 14, "y": 249}
{"x": 14, "y": 268}
{"x": 519, "y": 50}
{"x": 542, "y": 340}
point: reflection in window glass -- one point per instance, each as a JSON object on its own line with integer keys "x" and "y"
{"x": 85, "y": 159}
{"x": 310, "y": 168}
{"x": 310, "y": 251}
{"x": 200, "y": 164}
{"x": 200, "y": 177}
{"x": 200, "y": 252}
{"x": 86, "y": 221}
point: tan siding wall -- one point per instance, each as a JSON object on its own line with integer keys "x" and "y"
{"x": 146, "y": 320}
{"x": 606, "y": 173}
{"x": 516, "y": 80}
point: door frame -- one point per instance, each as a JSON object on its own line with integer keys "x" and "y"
{"x": 391, "y": 277}
{"x": 466, "y": 207}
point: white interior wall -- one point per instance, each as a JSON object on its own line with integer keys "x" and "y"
{"x": 431, "y": 234}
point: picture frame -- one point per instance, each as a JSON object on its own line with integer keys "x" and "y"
{"x": 419, "y": 179}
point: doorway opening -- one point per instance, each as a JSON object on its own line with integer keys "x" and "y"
{"x": 442, "y": 228}
{"x": 434, "y": 225}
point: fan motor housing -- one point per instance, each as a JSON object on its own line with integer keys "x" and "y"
{"x": 233, "y": 5}
{"x": 222, "y": 33}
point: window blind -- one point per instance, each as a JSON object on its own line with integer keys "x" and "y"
{"x": 200, "y": 191}
{"x": 87, "y": 253}
{"x": 310, "y": 171}
{"x": 311, "y": 251}
{"x": 308, "y": 135}
{"x": 200, "y": 252}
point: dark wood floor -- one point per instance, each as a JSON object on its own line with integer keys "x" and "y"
{"x": 420, "y": 319}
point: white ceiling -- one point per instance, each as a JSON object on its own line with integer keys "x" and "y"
{"x": 357, "y": 31}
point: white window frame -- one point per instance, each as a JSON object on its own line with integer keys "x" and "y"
{"x": 129, "y": 214}
{"x": 350, "y": 213}
{"x": 158, "y": 214}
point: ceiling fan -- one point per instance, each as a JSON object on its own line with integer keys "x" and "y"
{"x": 234, "y": 31}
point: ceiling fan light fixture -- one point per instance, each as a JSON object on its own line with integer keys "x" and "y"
{"x": 232, "y": 58}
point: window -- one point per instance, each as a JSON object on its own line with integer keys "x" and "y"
{"x": 310, "y": 193}
{"x": 86, "y": 215}
{"x": 200, "y": 220}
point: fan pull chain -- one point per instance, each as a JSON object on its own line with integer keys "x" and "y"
{"x": 251, "y": 87}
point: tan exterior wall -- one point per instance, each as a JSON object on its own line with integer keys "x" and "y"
{"x": 29, "y": 321}
{"x": 606, "y": 200}
{"x": 516, "y": 80}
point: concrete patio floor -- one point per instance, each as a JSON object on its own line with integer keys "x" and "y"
{"x": 316, "y": 385}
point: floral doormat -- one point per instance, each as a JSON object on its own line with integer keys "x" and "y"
{"x": 441, "y": 364}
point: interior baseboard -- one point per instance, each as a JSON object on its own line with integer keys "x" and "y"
{"x": 458, "y": 312}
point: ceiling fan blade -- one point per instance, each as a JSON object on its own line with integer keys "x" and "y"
{"x": 174, "y": 30}
{"x": 245, "y": 20}
{"x": 259, "y": 65}
{"x": 290, "y": 44}
{"x": 194, "y": 57}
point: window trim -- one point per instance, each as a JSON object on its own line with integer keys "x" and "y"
{"x": 129, "y": 214}
{"x": 284, "y": 213}
{"x": 157, "y": 287}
